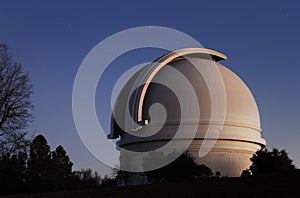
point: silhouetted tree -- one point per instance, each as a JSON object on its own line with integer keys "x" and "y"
{"x": 246, "y": 173}
{"x": 39, "y": 163}
{"x": 265, "y": 162}
{"x": 60, "y": 168}
{"x": 44, "y": 171}
{"x": 184, "y": 168}
{"x": 13, "y": 172}
{"x": 202, "y": 171}
{"x": 15, "y": 104}
{"x": 86, "y": 179}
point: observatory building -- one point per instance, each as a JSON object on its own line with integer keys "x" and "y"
{"x": 224, "y": 116}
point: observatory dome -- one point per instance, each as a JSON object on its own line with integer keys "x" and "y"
{"x": 223, "y": 103}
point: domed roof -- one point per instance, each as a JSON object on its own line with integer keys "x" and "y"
{"x": 241, "y": 109}
{"x": 241, "y": 106}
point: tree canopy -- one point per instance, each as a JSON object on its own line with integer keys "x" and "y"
{"x": 184, "y": 168}
{"x": 15, "y": 103}
{"x": 270, "y": 162}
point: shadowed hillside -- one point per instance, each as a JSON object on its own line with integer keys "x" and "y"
{"x": 254, "y": 186}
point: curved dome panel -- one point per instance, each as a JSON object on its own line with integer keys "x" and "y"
{"x": 241, "y": 106}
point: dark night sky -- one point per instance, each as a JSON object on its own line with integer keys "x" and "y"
{"x": 261, "y": 40}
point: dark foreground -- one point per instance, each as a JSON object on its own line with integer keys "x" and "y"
{"x": 263, "y": 186}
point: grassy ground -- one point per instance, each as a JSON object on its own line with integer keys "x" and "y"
{"x": 267, "y": 186}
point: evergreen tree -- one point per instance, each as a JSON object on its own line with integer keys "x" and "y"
{"x": 61, "y": 168}
{"x": 39, "y": 163}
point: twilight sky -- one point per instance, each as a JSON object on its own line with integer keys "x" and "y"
{"x": 261, "y": 40}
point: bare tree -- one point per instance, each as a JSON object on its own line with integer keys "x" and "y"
{"x": 15, "y": 103}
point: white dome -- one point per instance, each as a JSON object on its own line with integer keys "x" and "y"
{"x": 240, "y": 136}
